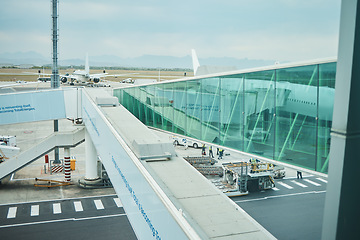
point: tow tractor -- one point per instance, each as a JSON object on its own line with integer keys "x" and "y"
{"x": 238, "y": 178}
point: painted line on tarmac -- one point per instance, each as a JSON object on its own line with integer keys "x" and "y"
{"x": 280, "y": 196}
{"x": 61, "y": 220}
{"x": 308, "y": 176}
{"x": 323, "y": 180}
{"x": 59, "y": 199}
{"x": 313, "y": 183}
{"x": 285, "y": 185}
{"x": 299, "y": 184}
{"x": 48, "y": 177}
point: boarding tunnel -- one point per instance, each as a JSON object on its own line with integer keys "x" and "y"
{"x": 163, "y": 196}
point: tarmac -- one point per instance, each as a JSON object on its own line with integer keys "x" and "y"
{"x": 19, "y": 187}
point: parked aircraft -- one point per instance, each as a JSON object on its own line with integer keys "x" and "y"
{"x": 205, "y": 69}
{"x": 290, "y": 97}
{"x": 84, "y": 76}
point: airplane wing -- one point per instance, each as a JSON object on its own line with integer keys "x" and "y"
{"x": 110, "y": 75}
{"x": 98, "y": 75}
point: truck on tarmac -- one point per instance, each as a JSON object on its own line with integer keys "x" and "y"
{"x": 8, "y": 147}
{"x": 185, "y": 142}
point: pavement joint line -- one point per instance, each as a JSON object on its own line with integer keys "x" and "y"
{"x": 235, "y": 234}
{"x": 59, "y": 199}
{"x": 61, "y": 220}
{"x": 198, "y": 196}
{"x": 279, "y": 196}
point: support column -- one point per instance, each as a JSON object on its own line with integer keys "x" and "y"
{"x": 67, "y": 169}
{"x": 342, "y": 209}
{"x": 91, "y": 171}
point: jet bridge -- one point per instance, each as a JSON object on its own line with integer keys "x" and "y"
{"x": 164, "y": 197}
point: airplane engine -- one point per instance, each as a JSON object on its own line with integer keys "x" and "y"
{"x": 63, "y": 79}
{"x": 96, "y": 80}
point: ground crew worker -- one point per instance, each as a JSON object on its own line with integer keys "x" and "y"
{"x": 253, "y": 164}
{"x": 299, "y": 174}
{"x": 186, "y": 143}
{"x": 203, "y": 152}
{"x": 221, "y": 152}
{"x": 211, "y": 152}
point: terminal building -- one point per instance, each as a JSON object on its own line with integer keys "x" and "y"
{"x": 282, "y": 112}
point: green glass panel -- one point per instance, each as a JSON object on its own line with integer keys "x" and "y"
{"x": 231, "y": 112}
{"x": 193, "y": 106}
{"x": 296, "y": 115}
{"x": 117, "y": 94}
{"x": 283, "y": 114}
{"x": 179, "y": 105}
{"x": 259, "y": 107}
{"x": 210, "y": 97}
{"x": 168, "y": 109}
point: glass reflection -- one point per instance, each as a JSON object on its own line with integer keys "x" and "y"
{"x": 283, "y": 114}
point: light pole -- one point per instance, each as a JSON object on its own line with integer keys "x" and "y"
{"x": 55, "y": 81}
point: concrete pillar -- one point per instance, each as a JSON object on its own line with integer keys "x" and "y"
{"x": 67, "y": 164}
{"x": 342, "y": 209}
{"x": 91, "y": 171}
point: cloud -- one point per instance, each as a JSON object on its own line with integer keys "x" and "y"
{"x": 278, "y": 29}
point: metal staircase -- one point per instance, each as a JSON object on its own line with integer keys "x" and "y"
{"x": 57, "y": 139}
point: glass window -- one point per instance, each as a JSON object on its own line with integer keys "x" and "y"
{"x": 193, "y": 106}
{"x": 283, "y": 114}
{"x": 232, "y": 111}
{"x": 168, "y": 110}
{"x": 210, "y": 96}
{"x": 296, "y": 115}
{"x": 259, "y": 107}
{"x": 179, "y": 105}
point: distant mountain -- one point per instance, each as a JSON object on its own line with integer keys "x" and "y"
{"x": 149, "y": 61}
{"x": 30, "y": 57}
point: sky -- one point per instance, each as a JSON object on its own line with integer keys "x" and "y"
{"x": 281, "y": 30}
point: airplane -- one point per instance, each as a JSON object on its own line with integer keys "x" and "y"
{"x": 205, "y": 69}
{"x": 84, "y": 76}
{"x": 81, "y": 77}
